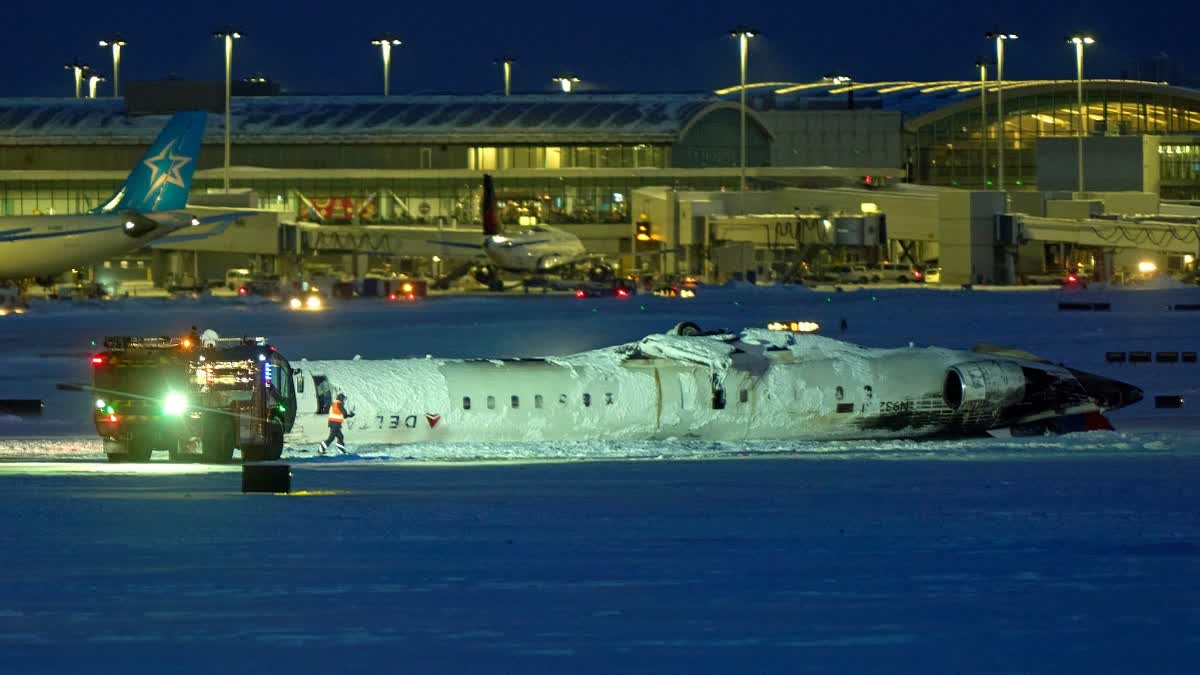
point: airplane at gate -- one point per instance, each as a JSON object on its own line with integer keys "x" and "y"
{"x": 754, "y": 385}
{"x": 147, "y": 207}
{"x": 537, "y": 249}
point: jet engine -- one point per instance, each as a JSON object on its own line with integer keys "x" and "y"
{"x": 990, "y": 385}
{"x": 136, "y": 225}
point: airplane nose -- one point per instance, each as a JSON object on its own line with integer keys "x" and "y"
{"x": 1110, "y": 394}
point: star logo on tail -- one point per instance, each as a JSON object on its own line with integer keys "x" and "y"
{"x": 432, "y": 419}
{"x": 165, "y": 168}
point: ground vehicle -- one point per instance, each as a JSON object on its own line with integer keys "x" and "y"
{"x": 606, "y": 289}
{"x": 851, "y": 274}
{"x": 901, "y": 272}
{"x": 236, "y": 276}
{"x": 197, "y": 402}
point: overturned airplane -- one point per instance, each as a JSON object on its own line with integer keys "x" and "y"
{"x": 717, "y": 385}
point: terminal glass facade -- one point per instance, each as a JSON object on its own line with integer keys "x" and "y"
{"x": 487, "y": 158}
{"x": 432, "y": 200}
{"x": 954, "y": 149}
{"x": 1179, "y": 169}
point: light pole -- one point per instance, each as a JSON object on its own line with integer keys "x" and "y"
{"x": 93, "y": 79}
{"x": 1000, "y": 39}
{"x": 567, "y": 82}
{"x": 385, "y": 42}
{"x": 116, "y": 42}
{"x": 1079, "y": 41}
{"x": 982, "y": 65}
{"x": 846, "y": 80}
{"x": 743, "y": 34}
{"x": 507, "y": 62}
{"x": 79, "y": 69}
{"x": 228, "y": 34}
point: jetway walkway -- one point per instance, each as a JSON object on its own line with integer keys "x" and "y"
{"x": 1169, "y": 236}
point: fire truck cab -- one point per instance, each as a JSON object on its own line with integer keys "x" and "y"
{"x": 197, "y": 402}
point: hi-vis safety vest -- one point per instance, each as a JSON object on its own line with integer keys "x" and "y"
{"x": 336, "y": 414}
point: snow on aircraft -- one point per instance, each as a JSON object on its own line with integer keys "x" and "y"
{"x": 147, "y": 207}
{"x": 721, "y": 386}
{"x": 536, "y": 249}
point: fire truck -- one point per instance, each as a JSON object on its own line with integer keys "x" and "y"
{"x": 198, "y": 401}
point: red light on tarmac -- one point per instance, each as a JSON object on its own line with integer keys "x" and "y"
{"x": 580, "y": 294}
{"x": 411, "y": 296}
{"x": 622, "y": 293}
{"x": 391, "y": 296}
{"x": 98, "y": 360}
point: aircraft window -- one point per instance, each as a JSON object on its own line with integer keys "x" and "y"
{"x": 608, "y": 399}
{"x": 743, "y": 396}
{"x": 839, "y": 393}
{"x": 587, "y": 400}
{"x": 491, "y": 402}
{"x": 537, "y": 401}
{"x": 562, "y": 398}
{"x": 516, "y": 402}
{"x": 324, "y": 394}
{"x": 466, "y": 403}
{"x": 867, "y": 390}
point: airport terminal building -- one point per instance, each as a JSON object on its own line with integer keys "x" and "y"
{"x": 341, "y": 165}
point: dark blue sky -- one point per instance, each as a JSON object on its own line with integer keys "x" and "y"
{"x": 322, "y": 47}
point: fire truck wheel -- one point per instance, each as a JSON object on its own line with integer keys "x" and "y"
{"x": 217, "y": 440}
{"x": 274, "y": 449}
{"x": 136, "y": 450}
{"x": 271, "y": 450}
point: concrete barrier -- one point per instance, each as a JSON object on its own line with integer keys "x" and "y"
{"x": 273, "y": 478}
{"x": 1171, "y": 401}
{"x": 1085, "y": 306}
{"x": 21, "y": 406}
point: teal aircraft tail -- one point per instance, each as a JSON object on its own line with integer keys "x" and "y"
{"x": 162, "y": 180}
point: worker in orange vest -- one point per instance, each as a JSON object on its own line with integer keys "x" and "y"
{"x": 337, "y": 415}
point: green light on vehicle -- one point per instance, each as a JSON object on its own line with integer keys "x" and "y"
{"x": 110, "y": 410}
{"x": 175, "y": 404}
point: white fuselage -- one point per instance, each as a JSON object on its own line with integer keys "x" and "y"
{"x": 538, "y": 249}
{"x": 823, "y": 390}
{"x": 36, "y": 246}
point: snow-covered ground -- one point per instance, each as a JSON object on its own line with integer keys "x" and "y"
{"x": 1076, "y": 553}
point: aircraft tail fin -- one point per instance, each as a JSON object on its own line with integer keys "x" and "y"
{"x": 491, "y": 216}
{"x": 162, "y": 180}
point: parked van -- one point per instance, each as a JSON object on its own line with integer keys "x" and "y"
{"x": 851, "y": 274}
{"x": 236, "y": 276}
{"x": 892, "y": 272}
